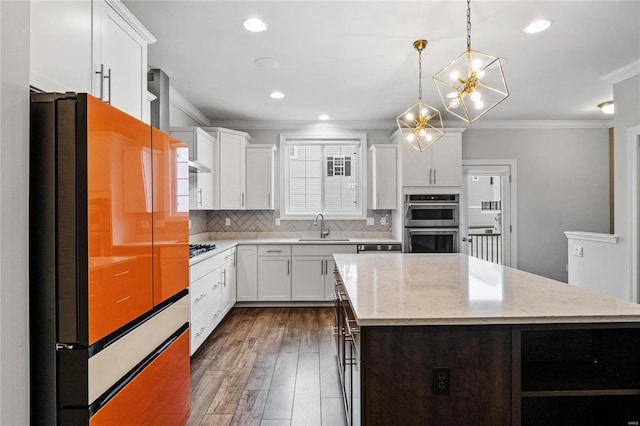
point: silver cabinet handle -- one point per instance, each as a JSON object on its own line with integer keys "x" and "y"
{"x": 435, "y": 179}
{"x": 101, "y": 73}
{"x": 269, "y": 199}
{"x": 199, "y": 298}
{"x": 274, "y": 251}
{"x": 430, "y": 174}
{"x": 378, "y": 200}
{"x": 108, "y": 76}
{"x": 288, "y": 266}
{"x": 321, "y": 267}
{"x": 326, "y": 266}
{"x": 224, "y": 277}
{"x": 234, "y": 258}
{"x": 200, "y": 193}
{"x": 201, "y": 330}
{"x": 243, "y": 199}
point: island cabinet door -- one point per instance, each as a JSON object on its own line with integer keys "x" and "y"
{"x": 399, "y": 379}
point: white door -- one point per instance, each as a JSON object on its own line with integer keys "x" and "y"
{"x": 487, "y": 211}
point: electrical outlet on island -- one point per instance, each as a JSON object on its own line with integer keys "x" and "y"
{"x": 227, "y": 222}
{"x": 370, "y": 221}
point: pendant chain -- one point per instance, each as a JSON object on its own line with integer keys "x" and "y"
{"x": 468, "y": 24}
{"x": 419, "y": 75}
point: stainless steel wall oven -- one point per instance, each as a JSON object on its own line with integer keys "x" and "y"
{"x": 431, "y": 223}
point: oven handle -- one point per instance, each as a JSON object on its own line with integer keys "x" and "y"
{"x": 432, "y": 230}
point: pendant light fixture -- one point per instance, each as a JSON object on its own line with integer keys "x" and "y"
{"x": 420, "y": 125}
{"x": 473, "y": 84}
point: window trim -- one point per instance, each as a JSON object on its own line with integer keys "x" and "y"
{"x": 308, "y": 138}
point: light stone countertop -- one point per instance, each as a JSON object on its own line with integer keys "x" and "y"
{"x": 222, "y": 245}
{"x": 455, "y": 289}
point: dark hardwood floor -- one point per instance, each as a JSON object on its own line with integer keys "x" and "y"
{"x": 268, "y": 367}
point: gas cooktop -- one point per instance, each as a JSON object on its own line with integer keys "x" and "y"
{"x": 196, "y": 249}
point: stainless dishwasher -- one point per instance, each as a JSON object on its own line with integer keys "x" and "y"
{"x": 366, "y": 248}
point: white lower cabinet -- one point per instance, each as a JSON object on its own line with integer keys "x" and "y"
{"x": 307, "y": 278}
{"x": 274, "y": 273}
{"x": 212, "y": 290}
{"x": 228, "y": 279}
{"x": 312, "y": 277}
{"x": 247, "y": 273}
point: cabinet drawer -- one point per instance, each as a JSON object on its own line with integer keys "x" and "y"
{"x": 274, "y": 250}
{"x": 203, "y": 292}
{"x": 202, "y": 268}
{"x": 228, "y": 255}
{"x": 323, "y": 249}
{"x": 200, "y": 328}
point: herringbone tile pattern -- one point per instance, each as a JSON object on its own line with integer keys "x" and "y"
{"x": 264, "y": 221}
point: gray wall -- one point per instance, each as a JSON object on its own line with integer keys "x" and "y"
{"x": 562, "y": 181}
{"x": 14, "y": 199}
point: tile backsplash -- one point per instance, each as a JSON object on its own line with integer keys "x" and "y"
{"x": 263, "y": 221}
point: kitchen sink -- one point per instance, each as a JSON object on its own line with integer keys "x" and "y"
{"x": 323, "y": 239}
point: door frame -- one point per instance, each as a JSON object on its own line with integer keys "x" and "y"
{"x": 513, "y": 205}
{"x": 633, "y": 163}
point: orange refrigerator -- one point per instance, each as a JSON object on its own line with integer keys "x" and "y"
{"x": 109, "y": 267}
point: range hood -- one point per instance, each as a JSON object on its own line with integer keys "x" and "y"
{"x": 197, "y": 167}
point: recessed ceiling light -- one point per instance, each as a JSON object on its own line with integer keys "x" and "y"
{"x": 277, "y": 95}
{"x": 537, "y": 26}
{"x": 323, "y": 117}
{"x": 254, "y": 25}
{"x": 267, "y": 63}
{"x": 606, "y": 107}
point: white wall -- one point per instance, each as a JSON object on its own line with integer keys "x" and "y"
{"x": 626, "y": 95}
{"x": 562, "y": 185}
{"x": 14, "y": 198}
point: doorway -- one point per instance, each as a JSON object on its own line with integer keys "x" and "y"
{"x": 488, "y": 211}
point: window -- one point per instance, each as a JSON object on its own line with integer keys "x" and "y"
{"x": 323, "y": 175}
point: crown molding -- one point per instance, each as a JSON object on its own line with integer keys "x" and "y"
{"x": 623, "y": 73}
{"x": 541, "y": 124}
{"x": 187, "y": 107}
{"x": 130, "y": 18}
{"x": 391, "y": 124}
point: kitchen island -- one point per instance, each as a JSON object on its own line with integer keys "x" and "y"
{"x": 447, "y": 339}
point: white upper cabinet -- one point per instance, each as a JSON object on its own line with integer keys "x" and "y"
{"x": 201, "y": 149}
{"x": 119, "y": 57}
{"x": 60, "y": 51}
{"x": 96, "y": 47}
{"x": 230, "y": 173}
{"x": 260, "y": 176}
{"x": 438, "y": 165}
{"x": 384, "y": 173}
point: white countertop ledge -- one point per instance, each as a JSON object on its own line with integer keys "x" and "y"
{"x": 592, "y": 236}
{"x": 455, "y": 289}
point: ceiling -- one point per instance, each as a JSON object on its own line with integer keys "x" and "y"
{"x": 354, "y": 60}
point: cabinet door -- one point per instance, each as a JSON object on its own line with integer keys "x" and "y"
{"x": 228, "y": 280}
{"x": 329, "y": 284}
{"x": 447, "y": 160}
{"x": 232, "y": 172}
{"x": 122, "y": 53}
{"x": 260, "y": 178}
{"x": 307, "y": 278}
{"x": 247, "y": 273}
{"x": 204, "y": 192}
{"x": 274, "y": 278}
{"x": 60, "y": 50}
{"x": 416, "y": 166}
{"x": 383, "y": 177}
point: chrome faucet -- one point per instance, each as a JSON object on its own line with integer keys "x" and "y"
{"x": 323, "y": 232}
